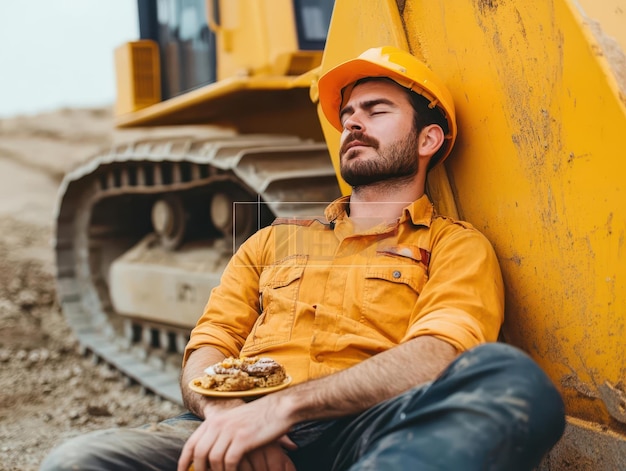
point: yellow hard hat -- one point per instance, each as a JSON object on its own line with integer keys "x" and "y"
{"x": 401, "y": 67}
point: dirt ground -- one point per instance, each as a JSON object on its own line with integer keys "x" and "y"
{"x": 48, "y": 392}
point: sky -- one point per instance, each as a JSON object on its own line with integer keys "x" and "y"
{"x": 59, "y": 53}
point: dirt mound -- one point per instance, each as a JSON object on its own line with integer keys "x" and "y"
{"x": 49, "y": 391}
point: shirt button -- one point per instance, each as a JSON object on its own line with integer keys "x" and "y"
{"x": 319, "y": 358}
{"x": 396, "y": 274}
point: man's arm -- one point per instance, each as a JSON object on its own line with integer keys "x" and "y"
{"x": 225, "y": 323}
{"x": 234, "y": 433}
{"x": 197, "y": 362}
{"x": 374, "y": 380}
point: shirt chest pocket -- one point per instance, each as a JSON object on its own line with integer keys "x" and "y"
{"x": 391, "y": 288}
{"x": 279, "y": 286}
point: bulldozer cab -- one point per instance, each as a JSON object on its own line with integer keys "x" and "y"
{"x": 187, "y": 45}
{"x": 185, "y": 32}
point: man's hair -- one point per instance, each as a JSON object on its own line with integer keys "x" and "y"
{"x": 423, "y": 114}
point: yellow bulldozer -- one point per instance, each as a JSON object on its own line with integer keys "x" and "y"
{"x": 228, "y": 89}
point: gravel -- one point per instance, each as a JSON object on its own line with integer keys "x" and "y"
{"x": 49, "y": 392}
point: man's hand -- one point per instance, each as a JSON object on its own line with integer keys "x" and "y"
{"x": 270, "y": 457}
{"x": 248, "y": 437}
{"x": 228, "y": 435}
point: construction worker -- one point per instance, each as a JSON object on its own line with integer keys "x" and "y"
{"x": 384, "y": 314}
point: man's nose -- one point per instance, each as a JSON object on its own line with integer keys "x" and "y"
{"x": 353, "y": 123}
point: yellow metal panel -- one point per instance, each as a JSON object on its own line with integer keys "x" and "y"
{"x": 137, "y": 75}
{"x": 249, "y": 104}
{"x": 353, "y": 29}
{"x": 539, "y": 168}
{"x": 253, "y": 35}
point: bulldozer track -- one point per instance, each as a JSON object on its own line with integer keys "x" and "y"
{"x": 100, "y": 215}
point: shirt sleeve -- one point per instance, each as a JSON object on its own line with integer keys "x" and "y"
{"x": 233, "y": 306}
{"x": 462, "y": 302}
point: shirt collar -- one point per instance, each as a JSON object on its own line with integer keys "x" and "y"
{"x": 337, "y": 208}
{"x": 420, "y": 211}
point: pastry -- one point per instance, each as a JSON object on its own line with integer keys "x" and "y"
{"x": 242, "y": 374}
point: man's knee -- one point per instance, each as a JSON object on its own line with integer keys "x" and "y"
{"x": 507, "y": 379}
{"x": 493, "y": 404}
{"x": 494, "y": 354}
{"x": 499, "y": 360}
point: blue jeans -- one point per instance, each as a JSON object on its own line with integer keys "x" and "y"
{"x": 491, "y": 409}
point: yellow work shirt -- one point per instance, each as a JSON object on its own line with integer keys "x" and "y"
{"x": 320, "y": 297}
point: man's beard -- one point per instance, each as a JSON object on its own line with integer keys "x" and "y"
{"x": 395, "y": 163}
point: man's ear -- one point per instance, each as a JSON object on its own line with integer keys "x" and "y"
{"x": 430, "y": 140}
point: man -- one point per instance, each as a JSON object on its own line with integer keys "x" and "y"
{"x": 384, "y": 314}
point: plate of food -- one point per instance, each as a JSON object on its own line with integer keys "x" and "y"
{"x": 241, "y": 377}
